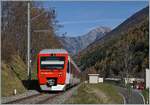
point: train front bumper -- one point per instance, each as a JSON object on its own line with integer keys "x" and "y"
{"x": 52, "y": 88}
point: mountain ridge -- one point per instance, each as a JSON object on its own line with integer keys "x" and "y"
{"x": 140, "y": 14}
{"x": 76, "y": 44}
{"x": 109, "y": 55}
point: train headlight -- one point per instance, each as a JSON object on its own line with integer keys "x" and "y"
{"x": 60, "y": 74}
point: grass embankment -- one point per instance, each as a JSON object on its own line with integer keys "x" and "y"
{"x": 12, "y": 76}
{"x": 95, "y": 94}
{"x": 145, "y": 93}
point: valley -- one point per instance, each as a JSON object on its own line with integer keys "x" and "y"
{"x": 108, "y": 64}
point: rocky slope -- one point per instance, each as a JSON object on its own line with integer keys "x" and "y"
{"x": 76, "y": 44}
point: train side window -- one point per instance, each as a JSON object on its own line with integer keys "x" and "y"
{"x": 68, "y": 67}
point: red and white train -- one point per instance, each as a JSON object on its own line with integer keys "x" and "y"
{"x": 56, "y": 70}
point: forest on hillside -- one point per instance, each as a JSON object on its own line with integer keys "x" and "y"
{"x": 124, "y": 52}
{"x": 14, "y": 29}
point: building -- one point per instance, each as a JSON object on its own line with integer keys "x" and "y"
{"x": 101, "y": 80}
{"x": 93, "y": 78}
{"x": 131, "y": 80}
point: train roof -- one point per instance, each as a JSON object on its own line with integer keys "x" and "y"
{"x": 55, "y": 51}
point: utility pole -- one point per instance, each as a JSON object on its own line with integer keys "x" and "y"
{"x": 29, "y": 38}
{"x": 28, "y": 43}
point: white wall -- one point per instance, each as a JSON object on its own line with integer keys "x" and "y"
{"x": 100, "y": 80}
{"x": 93, "y": 79}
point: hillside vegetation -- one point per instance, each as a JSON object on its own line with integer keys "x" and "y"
{"x": 14, "y": 42}
{"x": 12, "y": 76}
{"x": 122, "y": 51}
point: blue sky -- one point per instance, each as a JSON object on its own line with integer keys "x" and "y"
{"x": 79, "y": 17}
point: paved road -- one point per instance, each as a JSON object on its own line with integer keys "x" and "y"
{"x": 133, "y": 98}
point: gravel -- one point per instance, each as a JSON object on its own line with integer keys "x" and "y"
{"x": 60, "y": 99}
{"x": 19, "y": 96}
{"x": 45, "y": 98}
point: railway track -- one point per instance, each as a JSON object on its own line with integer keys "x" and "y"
{"x": 61, "y": 97}
{"x": 48, "y": 98}
{"x": 25, "y": 98}
{"x": 40, "y": 98}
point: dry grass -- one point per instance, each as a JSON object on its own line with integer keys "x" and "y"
{"x": 95, "y": 94}
{"x": 12, "y": 75}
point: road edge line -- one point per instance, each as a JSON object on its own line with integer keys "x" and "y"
{"x": 124, "y": 100}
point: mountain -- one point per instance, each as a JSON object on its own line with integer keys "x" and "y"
{"x": 76, "y": 44}
{"x": 130, "y": 23}
{"x": 122, "y": 51}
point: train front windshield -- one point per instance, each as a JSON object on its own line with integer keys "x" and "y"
{"x": 52, "y": 62}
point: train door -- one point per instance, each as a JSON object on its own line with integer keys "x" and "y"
{"x": 68, "y": 72}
